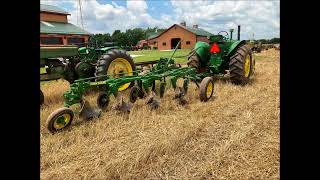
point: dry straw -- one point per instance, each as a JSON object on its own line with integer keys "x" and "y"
{"x": 233, "y": 136}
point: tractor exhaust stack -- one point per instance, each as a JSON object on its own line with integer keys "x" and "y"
{"x": 238, "y": 32}
{"x": 231, "y": 31}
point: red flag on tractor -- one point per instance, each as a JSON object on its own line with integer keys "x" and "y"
{"x": 215, "y": 48}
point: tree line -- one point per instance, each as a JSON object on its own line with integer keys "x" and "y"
{"x": 131, "y": 37}
{"x": 269, "y": 41}
{"x": 123, "y": 39}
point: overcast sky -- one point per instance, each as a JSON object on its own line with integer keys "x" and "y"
{"x": 258, "y": 17}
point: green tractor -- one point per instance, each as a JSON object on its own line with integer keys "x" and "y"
{"x": 223, "y": 56}
{"x": 257, "y": 47}
{"x": 72, "y": 63}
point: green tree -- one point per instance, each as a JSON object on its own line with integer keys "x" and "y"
{"x": 128, "y": 38}
{"x": 135, "y": 35}
{"x": 98, "y": 40}
{"x": 274, "y": 40}
{"x": 118, "y": 37}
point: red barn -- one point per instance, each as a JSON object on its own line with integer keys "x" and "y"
{"x": 169, "y": 38}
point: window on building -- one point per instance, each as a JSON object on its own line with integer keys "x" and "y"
{"x": 75, "y": 41}
{"x": 51, "y": 40}
{"x": 188, "y": 42}
{"x": 164, "y": 43}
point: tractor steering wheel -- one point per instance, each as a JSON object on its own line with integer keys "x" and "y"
{"x": 224, "y": 36}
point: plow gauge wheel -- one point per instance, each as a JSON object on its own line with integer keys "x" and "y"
{"x": 206, "y": 89}
{"x": 60, "y": 119}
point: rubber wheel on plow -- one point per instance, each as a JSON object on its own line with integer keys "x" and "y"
{"x": 206, "y": 89}
{"x": 241, "y": 65}
{"x": 115, "y": 62}
{"x": 60, "y": 119}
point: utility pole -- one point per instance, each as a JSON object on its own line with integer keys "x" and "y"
{"x": 81, "y": 19}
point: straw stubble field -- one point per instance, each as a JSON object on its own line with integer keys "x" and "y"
{"x": 235, "y": 135}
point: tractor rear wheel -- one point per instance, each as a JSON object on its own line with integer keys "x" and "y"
{"x": 195, "y": 62}
{"x": 116, "y": 63}
{"x": 241, "y": 65}
{"x": 206, "y": 89}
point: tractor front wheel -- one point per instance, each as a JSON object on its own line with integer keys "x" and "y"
{"x": 115, "y": 63}
{"x": 206, "y": 89}
{"x": 84, "y": 70}
{"x": 241, "y": 65}
{"x": 60, "y": 119}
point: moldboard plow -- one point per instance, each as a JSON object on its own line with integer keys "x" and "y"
{"x": 207, "y": 60}
{"x": 143, "y": 85}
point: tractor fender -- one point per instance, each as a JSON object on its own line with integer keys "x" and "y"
{"x": 83, "y": 50}
{"x": 234, "y": 46}
{"x": 203, "y": 51}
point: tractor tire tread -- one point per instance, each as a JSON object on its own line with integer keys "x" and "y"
{"x": 236, "y": 65}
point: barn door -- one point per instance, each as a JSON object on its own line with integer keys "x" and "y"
{"x": 174, "y": 42}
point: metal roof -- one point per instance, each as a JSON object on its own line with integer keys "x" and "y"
{"x": 196, "y": 31}
{"x": 60, "y": 28}
{"x": 50, "y": 8}
{"x": 152, "y": 35}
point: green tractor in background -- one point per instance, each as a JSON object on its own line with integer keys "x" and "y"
{"x": 72, "y": 63}
{"x": 222, "y": 56}
{"x": 256, "y": 46}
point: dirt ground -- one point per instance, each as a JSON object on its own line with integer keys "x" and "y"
{"x": 235, "y": 135}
